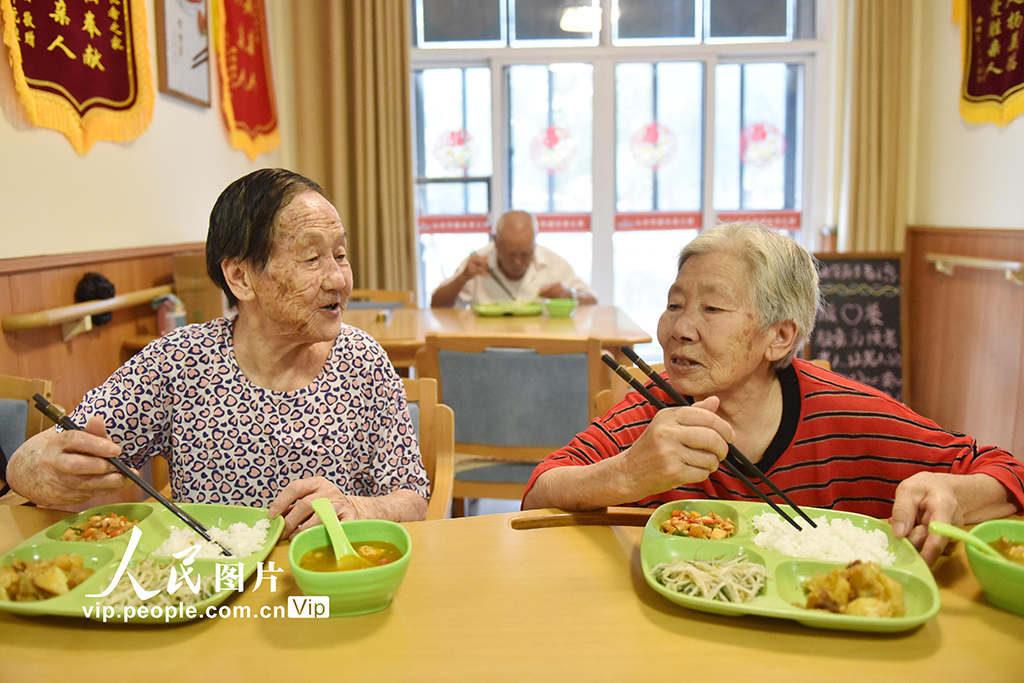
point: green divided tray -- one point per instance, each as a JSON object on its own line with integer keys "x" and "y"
{"x": 785, "y": 574}
{"x": 501, "y": 308}
{"x": 155, "y": 522}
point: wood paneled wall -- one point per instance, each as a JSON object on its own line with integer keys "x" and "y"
{"x": 967, "y": 336}
{"x": 34, "y": 284}
{"x": 76, "y": 366}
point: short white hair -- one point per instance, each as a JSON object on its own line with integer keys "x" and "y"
{"x": 783, "y": 275}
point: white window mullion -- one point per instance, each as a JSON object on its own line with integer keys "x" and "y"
{"x": 708, "y": 188}
{"x": 602, "y": 221}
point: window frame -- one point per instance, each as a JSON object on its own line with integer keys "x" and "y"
{"x": 816, "y": 117}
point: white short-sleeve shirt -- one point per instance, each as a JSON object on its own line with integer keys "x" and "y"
{"x": 547, "y": 267}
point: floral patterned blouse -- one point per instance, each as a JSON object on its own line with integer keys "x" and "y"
{"x": 229, "y": 441}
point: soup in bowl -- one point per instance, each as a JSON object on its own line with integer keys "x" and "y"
{"x": 356, "y": 591}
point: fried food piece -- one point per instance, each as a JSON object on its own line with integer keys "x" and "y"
{"x": 42, "y": 579}
{"x": 860, "y": 588}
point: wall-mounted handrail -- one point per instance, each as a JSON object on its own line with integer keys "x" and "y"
{"x": 65, "y": 314}
{"x": 944, "y": 263}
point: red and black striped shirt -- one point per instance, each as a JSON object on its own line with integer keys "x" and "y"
{"x": 840, "y": 445}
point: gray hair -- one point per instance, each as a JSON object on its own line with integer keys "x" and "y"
{"x": 783, "y": 277}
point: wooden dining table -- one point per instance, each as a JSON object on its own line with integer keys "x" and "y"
{"x": 491, "y": 599}
{"x": 403, "y": 331}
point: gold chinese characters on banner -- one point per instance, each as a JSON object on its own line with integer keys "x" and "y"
{"x": 993, "y": 81}
{"x": 247, "y": 88}
{"x": 81, "y": 67}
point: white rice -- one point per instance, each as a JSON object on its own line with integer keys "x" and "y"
{"x": 239, "y": 538}
{"x": 837, "y": 540}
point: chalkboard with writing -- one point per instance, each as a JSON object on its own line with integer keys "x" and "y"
{"x": 859, "y": 328}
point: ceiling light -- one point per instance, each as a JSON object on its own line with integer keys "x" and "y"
{"x": 586, "y": 19}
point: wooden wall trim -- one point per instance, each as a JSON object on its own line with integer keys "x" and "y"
{"x": 33, "y": 263}
{"x": 976, "y": 232}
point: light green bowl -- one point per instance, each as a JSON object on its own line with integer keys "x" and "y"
{"x": 561, "y": 308}
{"x": 358, "y": 591}
{"x": 1003, "y": 582}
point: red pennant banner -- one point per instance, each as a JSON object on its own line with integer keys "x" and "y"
{"x": 82, "y": 66}
{"x": 993, "y": 80}
{"x": 247, "y": 87}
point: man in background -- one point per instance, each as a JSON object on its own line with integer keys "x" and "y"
{"x": 514, "y": 260}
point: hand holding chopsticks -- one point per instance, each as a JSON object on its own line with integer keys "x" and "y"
{"x": 733, "y": 451}
{"x": 501, "y": 284}
{"x": 57, "y": 416}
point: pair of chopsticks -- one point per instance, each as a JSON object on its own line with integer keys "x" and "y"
{"x": 501, "y": 284}
{"x": 57, "y": 416}
{"x": 733, "y": 451}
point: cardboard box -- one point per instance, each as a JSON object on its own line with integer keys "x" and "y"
{"x": 202, "y": 298}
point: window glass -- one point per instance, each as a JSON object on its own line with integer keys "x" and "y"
{"x": 658, "y": 21}
{"x": 551, "y": 124}
{"x": 734, "y": 19}
{"x": 645, "y": 267}
{"x": 459, "y": 23}
{"x": 540, "y": 22}
{"x": 453, "y": 164}
{"x": 440, "y": 256}
{"x": 659, "y": 139}
{"x": 757, "y": 143}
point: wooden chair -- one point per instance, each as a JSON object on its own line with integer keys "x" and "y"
{"x": 609, "y": 397}
{"x": 381, "y": 298}
{"x": 434, "y": 423}
{"x": 20, "y": 419}
{"x": 516, "y": 399}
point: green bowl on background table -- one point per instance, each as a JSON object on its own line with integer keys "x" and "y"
{"x": 358, "y": 591}
{"x": 561, "y": 308}
{"x": 1001, "y": 579}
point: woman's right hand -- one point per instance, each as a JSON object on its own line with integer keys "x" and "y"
{"x": 680, "y": 446}
{"x": 67, "y": 467}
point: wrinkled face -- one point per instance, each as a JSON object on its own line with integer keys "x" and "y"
{"x": 710, "y": 331}
{"x": 514, "y": 246}
{"x": 304, "y": 289}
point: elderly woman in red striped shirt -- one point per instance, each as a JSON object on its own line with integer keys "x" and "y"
{"x": 741, "y": 308}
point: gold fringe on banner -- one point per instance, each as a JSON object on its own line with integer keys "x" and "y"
{"x": 49, "y": 110}
{"x": 265, "y": 137}
{"x": 998, "y": 110}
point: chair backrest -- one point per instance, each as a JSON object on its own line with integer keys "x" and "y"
{"x": 19, "y": 418}
{"x": 381, "y": 298}
{"x": 433, "y": 422}
{"x": 514, "y": 397}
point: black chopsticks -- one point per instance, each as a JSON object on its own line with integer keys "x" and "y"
{"x": 57, "y": 416}
{"x": 501, "y": 284}
{"x": 733, "y": 451}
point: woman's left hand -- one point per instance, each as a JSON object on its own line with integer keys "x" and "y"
{"x": 295, "y": 503}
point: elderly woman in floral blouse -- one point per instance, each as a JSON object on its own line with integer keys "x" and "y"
{"x": 278, "y": 405}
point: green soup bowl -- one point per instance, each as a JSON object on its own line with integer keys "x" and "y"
{"x": 561, "y": 308}
{"x": 358, "y": 591}
{"x": 1002, "y": 580}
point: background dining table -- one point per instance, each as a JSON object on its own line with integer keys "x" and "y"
{"x": 490, "y": 599}
{"x": 403, "y": 331}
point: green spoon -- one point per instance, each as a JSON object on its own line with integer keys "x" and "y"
{"x": 344, "y": 553}
{"x": 961, "y": 535}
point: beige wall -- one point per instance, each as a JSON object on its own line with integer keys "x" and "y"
{"x": 155, "y": 190}
{"x": 964, "y": 175}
